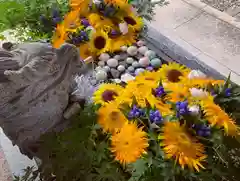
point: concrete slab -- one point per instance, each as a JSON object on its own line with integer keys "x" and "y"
{"x": 174, "y": 14}
{"x": 216, "y": 38}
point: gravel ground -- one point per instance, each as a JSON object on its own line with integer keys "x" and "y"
{"x": 222, "y": 5}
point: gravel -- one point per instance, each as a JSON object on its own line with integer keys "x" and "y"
{"x": 222, "y": 5}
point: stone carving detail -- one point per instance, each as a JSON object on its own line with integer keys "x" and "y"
{"x": 35, "y": 83}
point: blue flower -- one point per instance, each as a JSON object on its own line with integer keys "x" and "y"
{"x": 202, "y": 130}
{"x": 182, "y": 108}
{"x": 159, "y": 91}
{"x": 228, "y": 92}
{"x": 55, "y": 13}
{"x": 155, "y": 116}
{"x": 85, "y": 22}
{"x": 136, "y": 112}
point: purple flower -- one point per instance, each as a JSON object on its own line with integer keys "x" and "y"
{"x": 55, "y": 13}
{"x": 85, "y": 22}
{"x": 202, "y": 130}
{"x": 228, "y": 92}
{"x": 155, "y": 116}
{"x": 182, "y": 108}
{"x": 114, "y": 32}
{"x": 136, "y": 112}
{"x": 149, "y": 68}
{"x": 159, "y": 91}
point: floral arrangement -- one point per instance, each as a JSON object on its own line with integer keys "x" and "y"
{"x": 98, "y": 26}
{"x": 170, "y": 114}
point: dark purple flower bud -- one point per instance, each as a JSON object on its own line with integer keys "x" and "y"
{"x": 155, "y": 117}
{"x": 200, "y": 133}
{"x": 228, "y": 92}
{"x": 159, "y": 91}
{"x": 85, "y": 22}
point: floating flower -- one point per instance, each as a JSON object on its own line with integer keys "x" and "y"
{"x": 107, "y": 93}
{"x": 110, "y": 117}
{"x": 129, "y": 143}
{"x": 173, "y": 72}
{"x": 99, "y": 42}
{"x": 179, "y": 145}
{"x": 216, "y": 116}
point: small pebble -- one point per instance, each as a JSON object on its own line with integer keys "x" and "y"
{"x": 144, "y": 62}
{"x": 156, "y": 62}
{"x": 139, "y": 70}
{"x": 121, "y": 68}
{"x": 98, "y": 68}
{"x": 123, "y": 56}
{"x": 117, "y": 57}
{"x": 106, "y": 68}
{"x": 129, "y": 60}
{"x": 101, "y": 63}
{"x": 135, "y": 64}
{"x": 118, "y": 81}
{"x": 132, "y": 50}
{"x": 143, "y": 50}
{"x": 123, "y": 63}
{"x": 150, "y": 54}
{"x": 101, "y": 75}
{"x": 112, "y": 62}
{"x": 131, "y": 69}
{"x": 124, "y": 48}
{"x": 104, "y": 57}
{"x": 140, "y": 43}
{"x": 138, "y": 56}
{"x": 127, "y": 77}
{"x": 115, "y": 73}
{"x": 149, "y": 68}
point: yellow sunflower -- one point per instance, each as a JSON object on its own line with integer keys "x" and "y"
{"x": 176, "y": 92}
{"x": 179, "y": 145}
{"x": 84, "y": 51}
{"x": 110, "y": 117}
{"x": 107, "y": 93}
{"x": 71, "y": 20}
{"x": 100, "y": 22}
{"x": 59, "y": 36}
{"x": 121, "y": 4}
{"x": 80, "y": 5}
{"x": 173, "y": 72}
{"x": 129, "y": 143}
{"x": 216, "y": 116}
{"x": 134, "y": 22}
{"x": 99, "y": 42}
{"x": 148, "y": 77}
{"x": 202, "y": 83}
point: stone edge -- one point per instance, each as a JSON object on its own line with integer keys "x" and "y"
{"x": 180, "y": 51}
{"x": 214, "y": 12}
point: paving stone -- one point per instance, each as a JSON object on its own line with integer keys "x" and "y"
{"x": 233, "y": 10}
{"x": 215, "y": 38}
{"x": 177, "y": 11}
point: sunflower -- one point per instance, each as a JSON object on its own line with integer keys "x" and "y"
{"x": 179, "y": 145}
{"x": 148, "y": 77}
{"x": 173, "y": 72}
{"x": 202, "y": 83}
{"x": 110, "y": 117}
{"x": 100, "y": 22}
{"x": 129, "y": 143}
{"x": 99, "y": 42}
{"x": 59, "y": 36}
{"x": 176, "y": 92}
{"x": 81, "y": 5}
{"x": 71, "y": 20}
{"x": 107, "y": 93}
{"x": 84, "y": 51}
{"x": 216, "y": 116}
{"x": 121, "y": 4}
{"x": 134, "y": 22}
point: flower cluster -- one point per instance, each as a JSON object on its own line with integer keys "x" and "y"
{"x": 173, "y": 102}
{"x": 98, "y": 26}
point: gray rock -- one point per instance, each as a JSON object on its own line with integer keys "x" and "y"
{"x": 112, "y": 62}
{"x": 104, "y": 57}
{"x": 123, "y": 63}
{"x": 115, "y": 73}
{"x": 101, "y": 75}
{"x": 129, "y": 60}
{"x": 135, "y": 64}
{"x": 121, "y": 68}
{"x": 35, "y": 84}
{"x": 123, "y": 56}
{"x": 106, "y": 68}
{"x": 132, "y": 50}
{"x": 117, "y": 57}
{"x": 101, "y": 63}
{"x": 131, "y": 69}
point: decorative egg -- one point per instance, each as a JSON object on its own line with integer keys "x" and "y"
{"x": 129, "y": 60}
{"x": 101, "y": 63}
{"x": 104, "y": 57}
{"x": 132, "y": 50}
{"x": 156, "y": 62}
{"x": 143, "y": 50}
{"x": 150, "y": 54}
{"x": 139, "y": 70}
{"x": 131, "y": 69}
{"x": 127, "y": 77}
{"x": 101, "y": 75}
{"x": 140, "y": 43}
{"x": 112, "y": 62}
{"x": 144, "y": 61}
{"x": 117, "y": 57}
{"x": 135, "y": 64}
{"x": 106, "y": 68}
{"x": 98, "y": 68}
{"x": 121, "y": 68}
{"x": 115, "y": 73}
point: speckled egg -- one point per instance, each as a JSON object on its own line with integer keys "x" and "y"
{"x": 135, "y": 64}
{"x": 131, "y": 69}
{"x": 121, "y": 68}
{"x": 124, "y": 48}
{"x": 156, "y": 62}
{"x": 104, "y": 57}
{"x": 132, "y": 50}
{"x": 112, "y": 62}
{"x": 117, "y": 57}
{"x": 129, "y": 60}
{"x": 101, "y": 75}
{"x": 106, "y": 68}
{"x": 150, "y": 54}
{"x": 144, "y": 61}
{"x": 143, "y": 50}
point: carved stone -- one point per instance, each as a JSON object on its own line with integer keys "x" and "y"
{"x": 35, "y": 84}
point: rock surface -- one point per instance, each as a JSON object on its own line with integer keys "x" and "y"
{"x": 35, "y": 84}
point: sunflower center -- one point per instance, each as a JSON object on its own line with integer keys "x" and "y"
{"x": 174, "y": 75}
{"x": 99, "y": 42}
{"x": 108, "y": 95}
{"x": 129, "y": 20}
{"x": 114, "y": 115}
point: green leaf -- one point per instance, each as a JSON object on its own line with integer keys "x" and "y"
{"x": 139, "y": 167}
